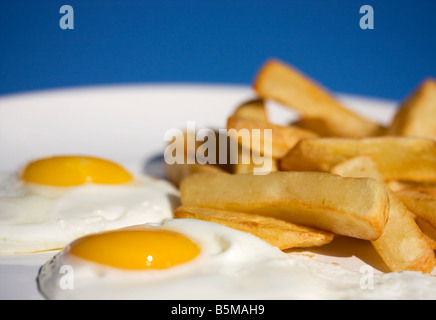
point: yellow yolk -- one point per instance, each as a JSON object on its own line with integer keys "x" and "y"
{"x": 136, "y": 249}
{"x": 63, "y": 171}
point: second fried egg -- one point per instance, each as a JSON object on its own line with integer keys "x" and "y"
{"x": 56, "y": 200}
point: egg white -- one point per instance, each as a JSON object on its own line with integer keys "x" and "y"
{"x": 36, "y": 218}
{"x": 233, "y": 265}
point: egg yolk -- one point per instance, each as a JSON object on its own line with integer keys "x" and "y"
{"x": 136, "y": 249}
{"x": 63, "y": 171}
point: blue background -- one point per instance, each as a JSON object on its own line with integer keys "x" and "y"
{"x": 217, "y": 42}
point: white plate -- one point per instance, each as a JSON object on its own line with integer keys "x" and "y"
{"x": 127, "y": 124}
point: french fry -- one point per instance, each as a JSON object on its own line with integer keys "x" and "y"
{"x": 283, "y": 138}
{"x": 416, "y": 116}
{"x": 420, "y": 202}
{"x": 428, "y": 230}
{"x": 398, "y": 158}
{"x": 396, "y": 185}
{"x": 176, "y": 172}
{"x": 316, "y": 125}
{"x": 402, "y": 245}
{"x": 353, "y": 207}
{"x": 267, "y": 165}
{"x": 279, "y": 233}
{"x": 253, "y": 109}
{"x": 281, "y": 82}
{"x": 358, "y": 167}
{"x": 252, "y": 115}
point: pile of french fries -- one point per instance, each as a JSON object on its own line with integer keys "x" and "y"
{"x": 333, "y": 173}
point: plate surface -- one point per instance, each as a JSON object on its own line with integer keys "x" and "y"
{"x": 127, "y": 124}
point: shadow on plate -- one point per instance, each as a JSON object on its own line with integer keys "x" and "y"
{"x": 155, "y": 166}
{"x": 343, "y": 247}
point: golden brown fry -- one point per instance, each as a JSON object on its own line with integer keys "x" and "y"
{"x": 267, "y": 165}
{"x": 279, "y": 233}
{"x": 177, "y": 172}
{"x": 282, "y": 140}
{"x": 316, "y": 125}
{"x": 417, "y": 115}
{"x": 281, "y": 82}
{"x": 396, "y": 185}
{"x": 358, "y": 167}
{"x": 420, "y": 202}
{"x": 253, "y": 109}
{"x": 428, "y": 230}
{"x": 398, "y": 158}
{"x": 252, "y": 115}
{"x": 402, "y": 245}
{"x": 354, "y": 207}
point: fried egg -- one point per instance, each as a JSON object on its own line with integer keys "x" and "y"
{"x": 192, "y": 259}
{"x": 55, "y": 200}
{"x": 179, "y": 259}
